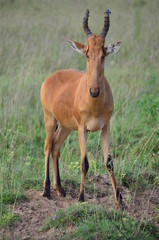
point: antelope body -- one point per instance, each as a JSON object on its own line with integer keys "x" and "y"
{"x": 79, "y": 101}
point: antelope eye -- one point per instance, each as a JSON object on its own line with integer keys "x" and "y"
{"x": 87, "y": 56}
{"x": 103, "y": 57}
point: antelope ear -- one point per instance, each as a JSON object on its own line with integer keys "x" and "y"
{"x": 76, "y": 46}
{"x": 112, "y": 48}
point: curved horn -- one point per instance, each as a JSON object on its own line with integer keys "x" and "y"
{"x": 85, "y": 25}
{"x": 106, "y": 24}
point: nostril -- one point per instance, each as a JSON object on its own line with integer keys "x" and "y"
{"x": 94, "y": 93}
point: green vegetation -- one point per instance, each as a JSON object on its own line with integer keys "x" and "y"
{"x": 31, "y": 49}
{"x": 8, "y": 219}
{"x": 92, "y": 222}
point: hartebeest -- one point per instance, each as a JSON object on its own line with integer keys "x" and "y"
{"x": 73, "y": 100}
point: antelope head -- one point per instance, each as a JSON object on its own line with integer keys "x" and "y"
{"x": 95, "y": 53}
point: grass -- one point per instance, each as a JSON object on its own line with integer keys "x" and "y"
{"x": 93, "y": 222}
{"x": 32, "y": 47}
{"x": 8, "y": 219}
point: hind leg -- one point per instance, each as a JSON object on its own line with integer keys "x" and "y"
{"x": 59, "y": 137}
{"x": 50, "y": 126}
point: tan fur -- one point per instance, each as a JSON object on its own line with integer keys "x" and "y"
{"x": 66, "y": 100}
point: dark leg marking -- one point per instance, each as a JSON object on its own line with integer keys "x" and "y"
{"x": 109, "y": 163}
{"x": 85, "y": 165}
{"x": 61, "y": 190}
{"x": 46, "y": 192}
{"x": 58, "y": 174}
{"x": 81, "y": 196}
{"x": 120, "y": 200}
{"x": 118, "y": 195}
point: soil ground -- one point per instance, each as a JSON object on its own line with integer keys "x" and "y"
{"x": 35, "y": 210}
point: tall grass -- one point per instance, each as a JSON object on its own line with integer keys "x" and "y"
{"x": 32, "y": 47}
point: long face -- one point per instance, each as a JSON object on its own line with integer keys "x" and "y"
{"x": 95, "y": 56}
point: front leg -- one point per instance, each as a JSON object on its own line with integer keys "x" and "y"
{"x": 109, "y": 164}
{"x": 82, "y": 134}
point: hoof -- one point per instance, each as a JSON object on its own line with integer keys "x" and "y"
{"x": 60, "y": 192}
{"x": 46, "y": 192}
{"x": 121, "y": 205}
{"x": 80, "y": 199}
{"x": 81, "y": 196}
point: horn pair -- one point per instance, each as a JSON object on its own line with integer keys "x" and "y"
{"x": 105, "y": 28}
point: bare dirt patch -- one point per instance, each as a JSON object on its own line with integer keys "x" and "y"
{"x": 34, "y": 211}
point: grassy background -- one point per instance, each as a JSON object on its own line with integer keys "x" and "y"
{"x": 32, "y": 48}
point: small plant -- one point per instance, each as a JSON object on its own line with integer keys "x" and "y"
{"x": 8, "y": 219}
{"x": 92, "y": 164}
{"x": 74, "y": 168}
{"x": 12, "y": 196}
{"x": 156, "y": 181}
